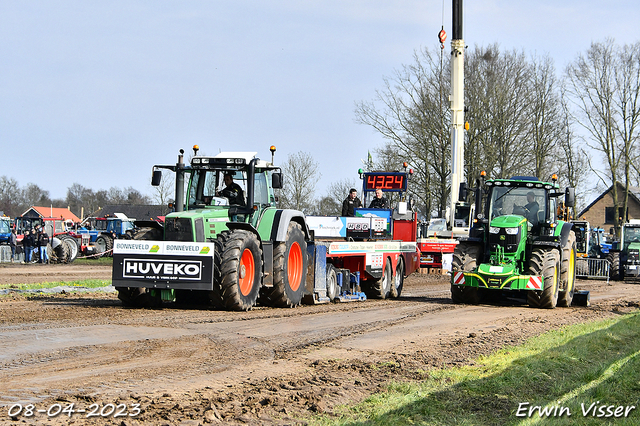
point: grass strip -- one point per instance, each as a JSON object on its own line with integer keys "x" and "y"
{"x": 584, "y": 374}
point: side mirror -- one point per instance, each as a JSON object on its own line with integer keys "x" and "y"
{"x": 463, "y": 193}
{"x": 156, "y": 178}
{"x": 570, "y": 197}
{"x": 276, "y": 180}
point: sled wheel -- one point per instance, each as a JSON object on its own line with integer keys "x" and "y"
{"x": 332, "y": 283}
{"x": 381, "y": 287}
{"x": 398, "y": 279}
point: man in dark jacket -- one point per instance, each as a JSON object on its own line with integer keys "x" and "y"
{"x": 27, "y": 244}
{"x": 379, "y": 202}
{"x": 233, "y": 192}
{"x": 351, "y": 203}
{"x": 43, "y": 240}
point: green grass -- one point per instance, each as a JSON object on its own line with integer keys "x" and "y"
{"x": 93, "y": 261}
{"x": 595, "y": 362}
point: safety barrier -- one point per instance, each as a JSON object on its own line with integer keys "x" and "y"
{"x": 5, "y": 255}
{"x": 592, "y": 268}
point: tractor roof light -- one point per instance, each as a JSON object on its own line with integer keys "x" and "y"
{"x": 554, "y": 177}
{"x": 483, "y": 173}
{"x": 196, "y": 148}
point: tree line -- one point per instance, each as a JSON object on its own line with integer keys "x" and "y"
{"x": 524, "y": 118}
{"x": 16, "y": 199}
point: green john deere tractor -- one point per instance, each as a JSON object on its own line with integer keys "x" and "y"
{"x": 259, "y": 250}
{"x": 517, "y": 245}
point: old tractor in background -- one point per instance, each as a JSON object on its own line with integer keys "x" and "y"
{"x": 64, "y": 247}
{"x": 518, "y": 245}
{"x": 624, "y": 256}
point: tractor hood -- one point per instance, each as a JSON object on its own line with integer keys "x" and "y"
{"x": 508, "y": 221}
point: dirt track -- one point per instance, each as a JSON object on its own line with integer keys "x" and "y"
{"x": 267, "y": 366}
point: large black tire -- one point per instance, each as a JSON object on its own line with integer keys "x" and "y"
{"x": 466, "y": 257}
{"x": 546, "y": 263}
{"x": 289, "y": 269}
{"x": 380, "y": 288}
{"x": 398, "y": 279}
{"x": 333, "y": 290}
{"x": 74, "y": 247}
{"x": 139, "y": 297}
{"x": 568, "y": 272}
{"x": 241, "y": 270}
{"x": 615, "y": 271}
{"x": 104, "y": 243}
{"x": 60, "y": 254}
{"x": 215, "y": 295}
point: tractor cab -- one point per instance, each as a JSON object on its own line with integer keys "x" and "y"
{"x": 227, "y": 187}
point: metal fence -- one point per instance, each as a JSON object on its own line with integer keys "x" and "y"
{"x": 592, "y": 268}
{"x": 5, "y": 255}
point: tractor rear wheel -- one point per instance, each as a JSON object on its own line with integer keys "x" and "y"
{"x": 398, "y": 279}
{"x": 545, "y": 263}
{"x": 60, "y": 252}
{"x": 105, "y": 244}
{"x": 241, "y": 270}
{"x": 289, "y": 269}
{"x": 465, "y": 259}
{"x": 380, "y": 288}
{"x": 74, "y": 248}
{"x": 615, "y": 273}
{"x": 568, "y": 272}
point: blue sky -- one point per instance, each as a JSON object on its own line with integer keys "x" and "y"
{"x": 96, "y": 92}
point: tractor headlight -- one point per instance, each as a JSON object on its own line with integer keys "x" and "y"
{"x": 494, "y": 230}
{"x": 512, "y": 231}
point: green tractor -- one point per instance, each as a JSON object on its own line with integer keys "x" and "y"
{"x": 518, "y": 245}
{"x": 229, "y": 209}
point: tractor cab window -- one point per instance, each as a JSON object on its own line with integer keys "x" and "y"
{"x": 261, "y": 190}
{"x": 631, "y": 235}
{"x": 522, "y": 201}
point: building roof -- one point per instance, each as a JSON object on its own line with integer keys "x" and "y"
{"x": 138, "y": 212}
{"x": 55, "y": 212}
{"x": 634, "y": 193}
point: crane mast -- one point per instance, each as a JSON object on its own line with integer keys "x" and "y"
{"x": 458, "y": 210}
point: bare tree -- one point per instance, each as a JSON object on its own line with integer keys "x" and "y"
{"x": 10, "y": 197}
{"x": 604, "y": 85}
{"x": 300, "y": 173}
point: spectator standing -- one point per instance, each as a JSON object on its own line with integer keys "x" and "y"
{"x": 351, "y": 203}
{"x": 27, "y": 244}
{"x": 43, "y": 241}
{"x": 13, "y": 242}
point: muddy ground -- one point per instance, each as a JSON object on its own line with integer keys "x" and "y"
{"x": 191, "y": 366}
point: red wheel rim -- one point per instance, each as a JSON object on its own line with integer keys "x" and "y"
{"x": 294, "y": 266}
{"x": 246, "y": 272}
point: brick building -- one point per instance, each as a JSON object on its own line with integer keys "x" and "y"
{"x": 600, "y": 213}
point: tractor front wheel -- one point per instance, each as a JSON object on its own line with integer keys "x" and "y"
{"x": 105, "y": 245}
{"x": 465, "y": 259}
{"x": 615, "y": 273}
{"x": 568, "y": 272}
{"x": 544, "y": 263}
{"x": 241, "y": 270}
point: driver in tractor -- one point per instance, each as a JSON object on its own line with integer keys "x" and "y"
{"x": 531, "y": 208}
{"x": 232, "y": 191}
